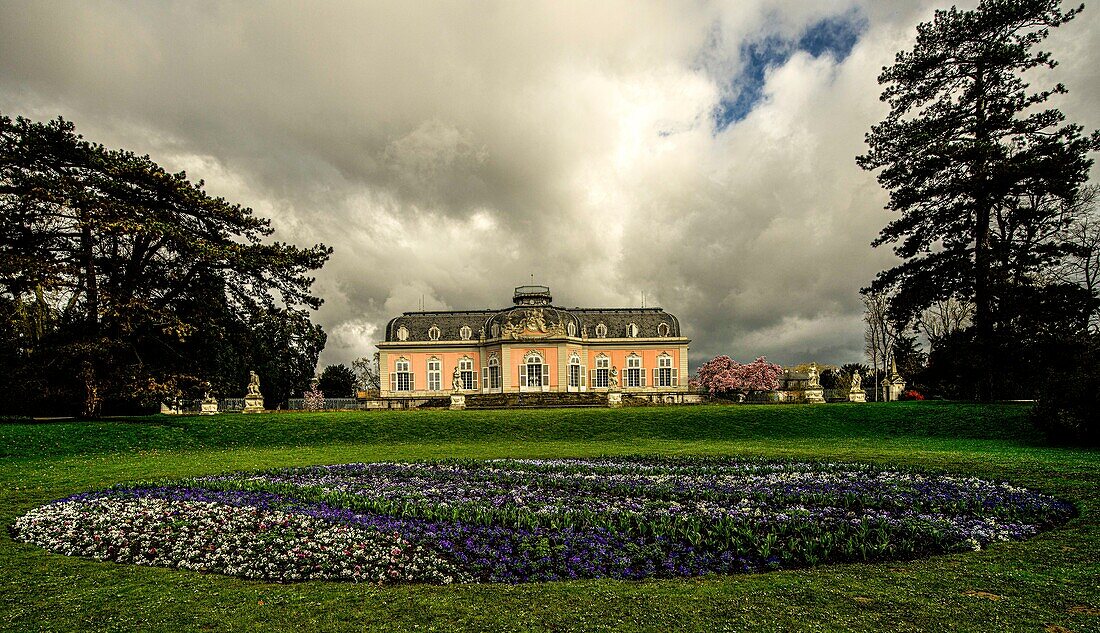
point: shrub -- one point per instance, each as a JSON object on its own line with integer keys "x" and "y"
{"x": 911, "y": 394}
{"x": 1069, "y": 397}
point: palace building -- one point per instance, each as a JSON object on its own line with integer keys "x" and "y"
{"x": 534, "y": 346}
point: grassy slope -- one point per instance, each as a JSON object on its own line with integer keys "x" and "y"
{"x": 1050, "y": 580}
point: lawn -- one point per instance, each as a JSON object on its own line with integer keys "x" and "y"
{"x": 1047, "y": 582}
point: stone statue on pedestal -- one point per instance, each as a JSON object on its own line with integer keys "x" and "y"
{"x": 209, "y": 405}
{"x": 812, "y": 381}
{"x": 254, "y": 400}
{"x": 855, "y": 392}
{"x": 456, "y": 381}
{"x": 613, "y": 378}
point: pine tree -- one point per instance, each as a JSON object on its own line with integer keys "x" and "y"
{"x": 972, "y": 161}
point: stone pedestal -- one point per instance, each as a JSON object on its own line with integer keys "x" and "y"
{"x": 253, "y": 404}
{"x": 458, "y": 402}
{"x": 614, "y": 399}
{"x": 857, "y": 396}
{"x": 209, "y": 407}
{"x": 814, "y": 396}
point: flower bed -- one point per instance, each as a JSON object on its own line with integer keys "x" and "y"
{"x": 528, "y": 520}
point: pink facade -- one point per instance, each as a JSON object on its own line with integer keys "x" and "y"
{"x": 533, "y": 346}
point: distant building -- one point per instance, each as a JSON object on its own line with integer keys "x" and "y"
{"x": 534, "y": 346}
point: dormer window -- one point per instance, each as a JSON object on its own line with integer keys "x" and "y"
{"x": 433, "y": 333}
{"x": 465, "y": 333}
{"x": 601, "y": 331}
{"x": 662, "y": 329}
{"x": 402, "y": 333}
{"x": 571, "y": 329}
{"x": 632, "y": 330}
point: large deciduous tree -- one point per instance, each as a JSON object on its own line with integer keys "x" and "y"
{"x": 980, "y": 171}
{"x": 120, "y": 280}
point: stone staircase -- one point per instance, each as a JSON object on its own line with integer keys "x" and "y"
{"x": 535, "y": 400}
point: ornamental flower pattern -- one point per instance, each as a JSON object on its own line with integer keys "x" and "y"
{"x": 534, "y": 520}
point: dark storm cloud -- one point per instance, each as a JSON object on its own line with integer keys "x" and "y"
{"x": 449, "y": 151}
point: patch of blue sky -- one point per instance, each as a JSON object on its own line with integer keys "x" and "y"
{"x": 834, "y": 35}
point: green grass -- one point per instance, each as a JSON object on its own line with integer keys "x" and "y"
{"x": 1051, "y": 580}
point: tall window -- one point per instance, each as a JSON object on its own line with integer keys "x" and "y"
{"x": 601, "y": 330}
{"x": 599, "y": 374}
{"x": 435, "y": 374}
{"x": 574, "y": 371}
{"x": 571, "y": 329}
{"x": 634, "y": 376}
{"x": 533, "y": 372}
{"x": 664, "y": 371}
{"x": 434, "y": 333}
{"x": 466, "y": 373}
{"x": 402, "y": 333}
{"x": 402, "y": 379}
{"x": 492, "y": 373}
{"x": 632, "y": 330}
{"x": 662, "y": 329}
{"x": 465, "y": 333}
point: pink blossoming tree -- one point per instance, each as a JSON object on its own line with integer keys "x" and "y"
{"x": 724, "y": 376}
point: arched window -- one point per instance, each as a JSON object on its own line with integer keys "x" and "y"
{"x": 576, "y": 373}
{"x": 491, "y": 378}
{"x": 401, "y": 379}
{"x": 435, "y": 374}
{"x": 465, "y": 333}
{"x": 433, "y": 333}
{"x": 571, "y": 329}
{"x": 632, "y": 330}
{"x": 402, "y": 333}
{"x": 466, "y": 373}
{"x": 600, "y": 373}
{"x": 534, "y": 372}
{"x": 495, "y": 330}
{"x": 601, "y": 331}
{"x": 665, "y": 374}
{"x": 634, "y": 375}
{"x": 662, "y": 329}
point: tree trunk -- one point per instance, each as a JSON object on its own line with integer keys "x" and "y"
{"x": 92, "y": 402}
{"x": 983, "y": 300}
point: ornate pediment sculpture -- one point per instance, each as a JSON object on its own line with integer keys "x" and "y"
{"x": 530, "y": 323}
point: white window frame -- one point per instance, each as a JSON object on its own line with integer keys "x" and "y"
{"x": 632, "y": 330}
{"x": 434, "y": 333}
{"x": 465, "y": 333}
{"x": 530, "y": 378}
{"x": 634, "y": 373}
{"x": 663, "y": 330}
{"x": 435, "y": 374}
{"x": 402, "y": 333}
{"x": 491, "y": 379}
{"x": 575, "y": 372}
{"x": 571, "y": 329}
{"x": 664, "y": 375}
{"x": 601, "y": 331}
{"x": 402, "y": 379}
{"x": 467, "y": 374}
{"x": 600, "y": 374}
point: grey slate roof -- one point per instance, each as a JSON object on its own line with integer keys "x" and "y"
{"x": 616, "y": 320}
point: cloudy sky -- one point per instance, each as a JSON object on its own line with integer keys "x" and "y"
{"x": 700, "y": 153}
